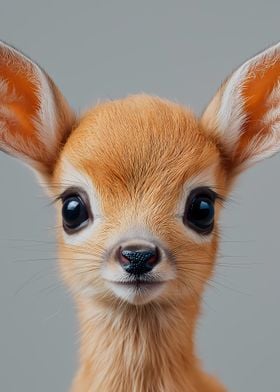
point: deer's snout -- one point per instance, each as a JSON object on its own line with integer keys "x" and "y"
{"x": 138, "y": 258}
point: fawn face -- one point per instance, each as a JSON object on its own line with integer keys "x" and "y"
{"x": 139, "y": 181}
{"x": 140, "y": 202}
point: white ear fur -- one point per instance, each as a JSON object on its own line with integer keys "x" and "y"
{"x": 244, "y": 116}
{"x": 34, "y": 116}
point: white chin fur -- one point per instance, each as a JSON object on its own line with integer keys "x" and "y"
{"x": 137, "y": 295}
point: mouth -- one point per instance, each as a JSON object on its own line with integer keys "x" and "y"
{"x": 137, "y": 291}
{"x": 138, "y": 283}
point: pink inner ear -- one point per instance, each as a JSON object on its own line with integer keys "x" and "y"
{"x": 263, "y": 78}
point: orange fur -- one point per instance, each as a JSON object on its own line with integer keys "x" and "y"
{"x": 151, "y": 348}
{"x": 138, "y": 159}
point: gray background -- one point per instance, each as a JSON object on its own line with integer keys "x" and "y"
{"x": 181, "y": 50}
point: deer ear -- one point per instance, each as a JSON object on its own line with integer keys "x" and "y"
{"x": 244, "y": 115}
{"x": 35, "y": 119}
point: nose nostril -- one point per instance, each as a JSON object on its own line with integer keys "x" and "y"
{"x": 137, "y": 260}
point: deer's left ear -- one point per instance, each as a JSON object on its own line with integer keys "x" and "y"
{"x": 244, "y": 115}
{"x": 35, "y": 119}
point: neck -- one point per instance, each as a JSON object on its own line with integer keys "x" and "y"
{"x": 146, "y": 348}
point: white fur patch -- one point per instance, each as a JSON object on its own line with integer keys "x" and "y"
{"x": 46, "y": 125}
{"x": 231, "y": 114}
{"x": 137, "y": 296}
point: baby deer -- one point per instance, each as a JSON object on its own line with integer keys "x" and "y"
{"x": 139, "y": 184}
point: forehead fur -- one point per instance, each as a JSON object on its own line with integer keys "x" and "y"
{"x": 139, "y": 143}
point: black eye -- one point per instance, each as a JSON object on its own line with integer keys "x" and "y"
{"x": 199, "y": 212}
{"x": 74, "y": 212}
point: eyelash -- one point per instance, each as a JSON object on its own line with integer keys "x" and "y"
{"x": 217, "y": 196}
{"x": 69, "y": 192}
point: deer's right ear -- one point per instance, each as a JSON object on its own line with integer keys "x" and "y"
{"x": 244, "y": 115}
{"x": 35, "y": 119}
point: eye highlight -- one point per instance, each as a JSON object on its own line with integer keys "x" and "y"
{"x": 75, "y": 212}
{"x": 200, "y": 210}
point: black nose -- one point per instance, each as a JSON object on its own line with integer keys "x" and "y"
{"x": 138, "y": 260}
